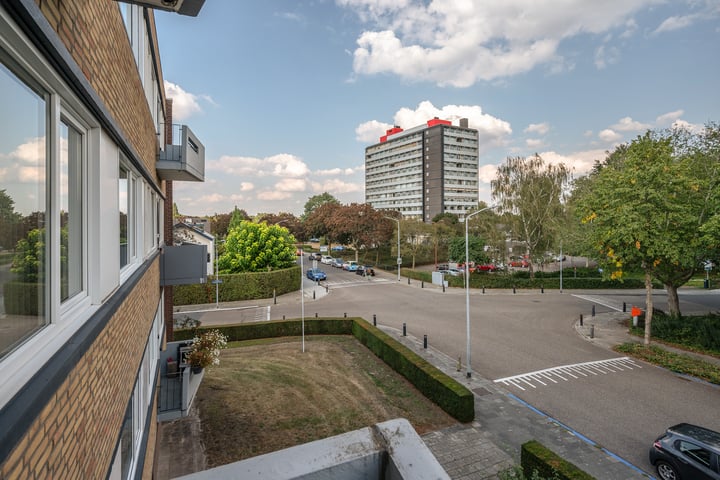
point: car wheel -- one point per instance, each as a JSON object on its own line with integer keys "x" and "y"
{"x": 667, "y": 471}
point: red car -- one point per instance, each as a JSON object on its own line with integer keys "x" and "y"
{"x": 487, "y": 267}
{"x": 519, "y": 262}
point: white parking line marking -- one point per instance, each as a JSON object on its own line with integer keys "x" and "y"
{"x": 612, "y": 365}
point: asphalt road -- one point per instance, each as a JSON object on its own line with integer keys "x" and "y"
{"x": 622, "y": 409}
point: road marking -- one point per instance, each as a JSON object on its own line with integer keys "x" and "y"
{"x": 599, "y": 300}
{"x": 612, "y": 365}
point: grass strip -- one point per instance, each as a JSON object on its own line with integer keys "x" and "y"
{"x": 675, "y": 362}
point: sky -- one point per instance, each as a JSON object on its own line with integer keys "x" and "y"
{"x": 286, "y": 94}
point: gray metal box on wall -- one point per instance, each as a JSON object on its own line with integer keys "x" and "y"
{"x": 183, "y": 265}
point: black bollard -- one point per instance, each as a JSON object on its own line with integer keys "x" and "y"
{"x": 315, "y": 314}
{"x": 313, "y": 294}
{"x": 581, "y": 321}
{"x": 374, "y": 319}
{"x": 274, "y": 298}
{"x": 624, "y": 307}
{"x": 345, "y": 315}
{"x": 443, "y": 286}
{"x": 542, "y": 289}
{"x": 593, "y": 310}
{"x": 483, "y": 289}
{"x": 404, "y": 329}
{"x": 592, "y": 331}
{"x": 327, "y": 288}
{"x": 283, "y": 317}
{"x": 424, "y": 341}
{"x": 408, "y": 280}
{"x": 422, "y": 283}
{"x": 513, "y": 288}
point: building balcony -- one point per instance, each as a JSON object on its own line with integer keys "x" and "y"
{"x": 178, "y": 385}
{"x": 184, "y": 159}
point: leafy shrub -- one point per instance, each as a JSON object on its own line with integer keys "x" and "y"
{"x": 697, "y": 332}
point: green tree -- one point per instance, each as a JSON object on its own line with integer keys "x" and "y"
{"x": 317, "y": 201}
{"x": 651, "y": 207}
{"x": 357, "y": 225}
{"x": 476, "y": 249}
{"x": 320, "y": 221}
{"x": 257, "y": 247}
{"x": 416, "y": 236}
{"x": 9, "y": 220}
{"x": 29, "y": 258}
{"x": 238, "y": 216}
{"x": 533, "y": 192}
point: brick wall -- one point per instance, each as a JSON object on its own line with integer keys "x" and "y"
{"x": 76, "y": 433}
{"x": 94, "y": 33}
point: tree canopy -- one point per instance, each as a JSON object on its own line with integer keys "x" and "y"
{"x": 257, "y": 247}
{"x": 317, "y": 201}
{"x": 653, "y": 205}
{"x": 533, "y": 192}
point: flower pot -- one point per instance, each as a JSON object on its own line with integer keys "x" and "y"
{"x": 196, "y": 369}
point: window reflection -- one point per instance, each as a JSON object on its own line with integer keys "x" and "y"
{"x": 22, "y": 210}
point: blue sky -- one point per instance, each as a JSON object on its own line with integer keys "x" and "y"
{"x": 287, "y": 94}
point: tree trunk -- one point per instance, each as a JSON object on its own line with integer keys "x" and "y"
{"x": 673, "y": 300}
{"x": 648, "y": 306}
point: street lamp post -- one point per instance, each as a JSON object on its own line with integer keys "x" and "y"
{"x": 399, "y": 258}
{"x": 468, "y": 368}
{"x": 217, "y": 280}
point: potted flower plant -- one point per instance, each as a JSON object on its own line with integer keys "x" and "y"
{"x": 205, "y": 350}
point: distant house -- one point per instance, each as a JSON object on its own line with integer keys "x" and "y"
{"x": 184, "y": 234}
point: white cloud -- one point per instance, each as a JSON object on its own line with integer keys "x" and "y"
{"x": 668, "y": 118}
{"x": 338, "y": 186}
{"x": 487, "y": 173}
{"x": 246, "y": 187}
{"x": 610, "y": 136}
{"x": 280, "y": 165}
{"x": 606, "y": 56}
{"x": 579, "y": 163}
{"x": 185, "y": 104}
{"x": 458, "y": 43}
{"x": 534, "y": 143}
{"x": 492, "y": 131}
{"x": 370, "y": 132}
{"x": 291, "y": 185}
{"x": 627, "y": 124}
{"x": 31, "y": 152}
{"x": 337, "y": 171}
{"x": 274, "y": 195}
{"x": 675, "y": 23}
{"x": 539, "y": 128}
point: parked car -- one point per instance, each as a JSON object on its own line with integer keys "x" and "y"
{"x": 486, "y": 267}
{"x": 442, "y": 266}
{"x": 326, "y": 259}
{"x": 350, "y": 266}
{"x": 338, "y": 248}
{"x": 365, "y": 270}
{"x": 337, "y": 262}
{"x": 315, "y": 274}
{"x": 299, "y": 253}
{"x": 453, "y": 272}
{"x": 314, "y": 239}
{"x": 519, "y": 262}
{"x": 315, "y": 256}
{"x": 687, "y": 452}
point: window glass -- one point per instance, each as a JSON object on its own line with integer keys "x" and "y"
{"x": 124, "y": 201}
{"x": 23, "y": 251}
{"x": 71, "y": 194}
{"x": 695, "y": 452}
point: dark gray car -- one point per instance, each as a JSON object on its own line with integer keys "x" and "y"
{"x": 687, "y": 452}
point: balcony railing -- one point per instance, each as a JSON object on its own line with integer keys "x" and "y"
{"x": 184, "y": 159}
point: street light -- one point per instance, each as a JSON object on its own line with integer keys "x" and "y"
{"x": 399, "y": 258}
{"x": 467, "y": 290}
{"x": 217, "y": 280}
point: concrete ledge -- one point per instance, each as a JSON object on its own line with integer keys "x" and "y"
{"x": 390, "y": 450}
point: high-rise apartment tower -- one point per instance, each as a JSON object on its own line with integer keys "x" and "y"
{"x": 424, "y": 171}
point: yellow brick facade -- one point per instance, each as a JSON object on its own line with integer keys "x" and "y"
{"x": 76, "y": 434}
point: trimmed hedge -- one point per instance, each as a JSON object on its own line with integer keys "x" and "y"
{"x": 23, "y": 298}
{"x": 536, "y": 457}
{"x": 521, "y": 280}
{"x": 448, "y": 394}
{"x": 240, "y": 286}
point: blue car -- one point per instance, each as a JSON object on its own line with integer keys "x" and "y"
{"x": 315, "y": 274}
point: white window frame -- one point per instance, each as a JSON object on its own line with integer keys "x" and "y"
{"x": 63, "y": 318}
